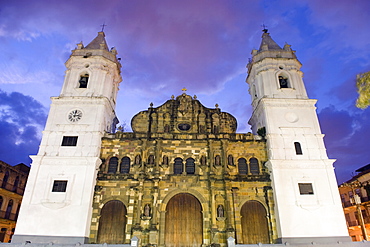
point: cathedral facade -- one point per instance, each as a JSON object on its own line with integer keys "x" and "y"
{"x": 183, "y": 176}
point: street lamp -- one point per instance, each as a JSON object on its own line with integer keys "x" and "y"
{"x": 357, "y": 200}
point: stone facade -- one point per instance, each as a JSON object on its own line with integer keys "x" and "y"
{"x": 212, "y": 156}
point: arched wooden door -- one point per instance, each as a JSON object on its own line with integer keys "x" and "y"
{"x": 112, "y": 223}
{"x": 254, "y": 223}
{"x": 184, "y": 222}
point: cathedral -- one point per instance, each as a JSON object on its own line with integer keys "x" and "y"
{"x": 183, "y": 176}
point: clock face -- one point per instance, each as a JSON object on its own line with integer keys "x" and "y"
{"x": 75, "y": 115}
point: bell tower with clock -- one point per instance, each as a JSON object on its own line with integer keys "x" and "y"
{"x": 307, "y": 204}
{"x": 60, "y": 187}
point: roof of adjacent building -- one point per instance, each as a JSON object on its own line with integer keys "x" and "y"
{"x": 364, "y": 168}
{"x": 17, "y": 168}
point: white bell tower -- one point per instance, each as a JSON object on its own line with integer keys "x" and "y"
{"x": 57, "y": 204}
{"x": 307, "y": 203}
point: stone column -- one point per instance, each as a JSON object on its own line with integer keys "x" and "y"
{"x": 213, "y": 204}
{"x": 236, "y": 222}
{"x": 162, "y": 222}
{"x": 138, "y": 209}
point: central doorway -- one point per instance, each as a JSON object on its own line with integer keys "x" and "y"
{"x": 184, "y": 221}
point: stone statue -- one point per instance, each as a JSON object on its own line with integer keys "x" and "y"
{"x": 137, "y": 159}
{"x": 165, "y": 160}
{"x": 151, "y": 159}
{"x": 230, "y": 160}
{"x": 166, "y": 128}
{"x": 147, "y": 210}
{"x": 220, "y": 211}
{"x": 217, "y": 160}
{"x": 203, "y": 161}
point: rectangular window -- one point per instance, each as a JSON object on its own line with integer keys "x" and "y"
{"x": 348, "y": 219}
{"x": 305, "y": 188}
{"x": 358, "y": 192}
{"x": 298, "y": 149}
{"x": 59, "y": 186}
{"x": 69, "y": 141}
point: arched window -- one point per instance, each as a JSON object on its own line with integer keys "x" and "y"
{"x": 16, "y": 182}
{"x": 17, "y": 213}
{"x": 190, "y": 166}
{"x": 3, "y": 234}
{"x": 298, "y": 149}
{"x": 283, "y": 81}
{"x": 253, "y": 166}
{"x": 113, "y": 164}
{"x": 125, "y": 165}
{"x": 84, "y": 79}
{"x": 242, "y": 166}
{"x": 5, "y": 179}
{"x": 178, "y": 166}
{"x": 9, "y": 209}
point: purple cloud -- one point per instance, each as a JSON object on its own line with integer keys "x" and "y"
{"x": 346, "y": 138}
{"x": 21, "y": 120}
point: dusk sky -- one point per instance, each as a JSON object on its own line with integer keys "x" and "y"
{"x": 202, "y": 45}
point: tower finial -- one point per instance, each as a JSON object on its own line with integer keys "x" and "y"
{"x": 264, "y": 28}
{"x": 102, "y": 26}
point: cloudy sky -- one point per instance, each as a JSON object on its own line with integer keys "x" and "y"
{"x": 203, "y": 45}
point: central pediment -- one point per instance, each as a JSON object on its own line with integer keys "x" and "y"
{"x": 185, "y": 114}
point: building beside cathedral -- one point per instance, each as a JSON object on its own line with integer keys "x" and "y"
{"x": 183, "y": 176}
{"x": 13, "y": 181}
{"x": 355, "y": 196}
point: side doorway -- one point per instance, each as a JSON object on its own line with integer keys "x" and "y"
{"x": 112, "y": 223}
{"x": 254, "y": 223}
